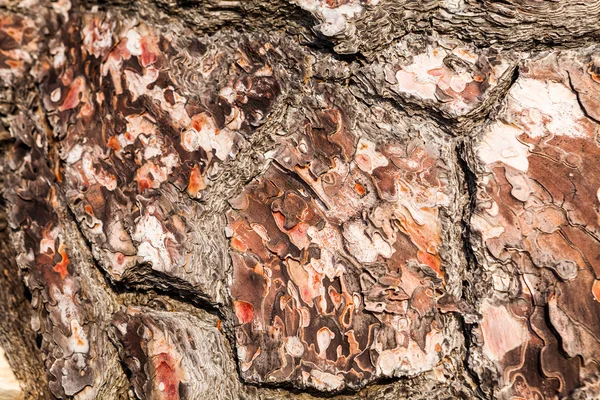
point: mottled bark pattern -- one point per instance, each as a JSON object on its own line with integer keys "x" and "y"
{"x": 372, "y": 199}
{"x": 326, "y": 297}
{"x": 141, "y": 137}
{"x": 537, "y": 215}
{"x": 441, "y": 72}
{"x": 163, "y": 350}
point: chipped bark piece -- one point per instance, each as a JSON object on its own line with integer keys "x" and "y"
{"x": 68, "y": 302}
{"x": 174, "y": 355}
{"x": 537, "y": 222}
{"x": 336, "y": 254}
{"x": 141, "y": 142}
{"x": 440, "y": 72}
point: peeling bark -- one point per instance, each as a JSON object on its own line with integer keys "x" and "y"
{"x": 368, "y": 199}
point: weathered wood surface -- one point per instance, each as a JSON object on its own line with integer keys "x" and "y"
{"x": 371, "y": 199}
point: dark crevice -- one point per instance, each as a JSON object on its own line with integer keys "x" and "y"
{"x": 467, "y": 329}
{"x": 361, "y": 393}
{"x": 496, "y": 99}
{"x": 405, "y": 106}
{"x": 452, "y": 126}
{"x": 469, "y": 181}
{"x": 282, "y": 169}
{"x": 179, "y": 289}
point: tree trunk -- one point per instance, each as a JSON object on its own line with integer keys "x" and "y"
{"x": 372, "y": 199}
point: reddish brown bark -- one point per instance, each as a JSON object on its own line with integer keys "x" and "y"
{"x": 264, "y": 200}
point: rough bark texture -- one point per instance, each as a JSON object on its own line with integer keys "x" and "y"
{"x": 372, "y": 199}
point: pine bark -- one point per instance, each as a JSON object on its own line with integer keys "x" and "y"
{"x": 372, "y": 199}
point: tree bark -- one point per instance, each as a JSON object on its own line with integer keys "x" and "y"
{"x": 371, "y": 199}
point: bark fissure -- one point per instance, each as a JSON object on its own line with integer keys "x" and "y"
{"x": 470, "y": 184}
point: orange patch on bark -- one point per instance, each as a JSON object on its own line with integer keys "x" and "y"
{"x": 196, "y": 183}
{"x": 244, "y": 311}
{"x": 166, "y": 378}
{"x": 148, "y": 56}
{"x": 596, "y": 290}
{"x": 53, "y": 198}
{"x": 73, "y": 96}
{"x": 238, "y": 245}
{"x": 360, "y": 189}
{"x": 14, "y": 64}
{"x": 431, "y": 260}
{"x": 61, "y": 267}
{"x": 144, "y": 184}
{"x": 57, "y": 173}
{"x": 201, "y": 120}
{"x": 113, "y": 143}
